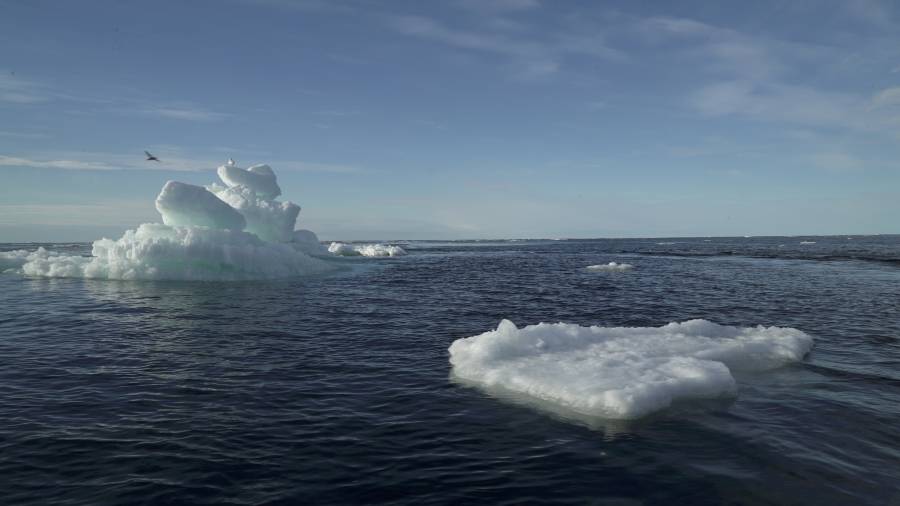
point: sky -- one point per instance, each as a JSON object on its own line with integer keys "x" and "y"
{"x": 458, "y": 118}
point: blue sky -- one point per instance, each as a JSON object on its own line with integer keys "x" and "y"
{"x": 461, "y": 118}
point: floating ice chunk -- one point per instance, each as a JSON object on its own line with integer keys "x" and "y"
{"x": 156, "y": 251}
{"x": 343, "y": 249}
{"x": 308, "y": 242}
{"x": 259, "y": 178}
{"x": 182, "y": 204}
{"x": 12, "y": 260}
{"x": 380, "y": 250}
{"x": 612, "y": 266}
{"x": 621, "y": 372}
{"x": 368, "y": 250}
{"x": 271, "y": 220}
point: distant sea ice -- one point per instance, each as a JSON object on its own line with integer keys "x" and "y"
{"x": 366, "y": 250}
{"x": 612, "y": 266}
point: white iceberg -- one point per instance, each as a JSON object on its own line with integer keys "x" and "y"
{"x": 612, "y": 267}
{"x": 621, "y": 372}
{"x": 234, "y": 233}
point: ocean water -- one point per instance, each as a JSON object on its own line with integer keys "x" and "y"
{"x": 337, "y": 389}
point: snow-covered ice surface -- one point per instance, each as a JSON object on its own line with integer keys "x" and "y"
{"x": 612, "y": 266}
{"x": 621, "y": 372}
{"x": 219, "y": 233}
{"x": 366, "y": 250}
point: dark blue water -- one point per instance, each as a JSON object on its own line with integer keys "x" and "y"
{"x": 336, "y": 389}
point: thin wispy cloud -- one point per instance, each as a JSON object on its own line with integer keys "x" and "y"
{"x": 109, "y": 213}
{"x": 759, "y": 78}
{"x": 185, "y": 113}
{"x": 14, "y": 161}
{"x": 494, "y": 6}
{"x": 837, "y": 161}
{"x": 889, "y": 97}
{"x": 170, "y": 160}
{"x": 293, "y": 165}
{"x": 530, "y": 52}
{"x": 21, "y": 91}
{"x": 23, "y": 135}
{"x": 336, "y": 113}
{"x": 16, "y": 90}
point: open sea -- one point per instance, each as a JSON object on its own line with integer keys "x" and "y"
{"x": 336, "y": 389}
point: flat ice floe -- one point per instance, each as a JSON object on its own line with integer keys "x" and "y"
{"x": 366, "y": 250}
{"x": 621, "y": 372}
{"x": 612, "y": 266}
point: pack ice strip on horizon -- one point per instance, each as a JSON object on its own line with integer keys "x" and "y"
{"x": 366, "y": 250}
{"x": 621, "y": 372}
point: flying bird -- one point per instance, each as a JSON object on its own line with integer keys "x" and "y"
{"x": 230, "y": 162}
{"x": 151, "y": 157}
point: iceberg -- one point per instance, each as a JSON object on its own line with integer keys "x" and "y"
{"x": 220, "y": 233}
{"x": 621, "y": 372}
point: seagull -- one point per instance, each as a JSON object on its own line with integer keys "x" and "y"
{"x": 151, "y": 157}
{"x": 230, "y": 162}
